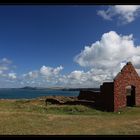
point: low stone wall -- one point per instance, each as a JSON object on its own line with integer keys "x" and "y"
{"x": 62, "y": 100}
{"x": 88, "y": 95}
{"x": 103, "y": 100}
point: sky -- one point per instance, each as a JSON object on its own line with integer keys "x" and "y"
{"x": 67, "y": 45}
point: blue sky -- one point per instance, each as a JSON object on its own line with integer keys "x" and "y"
{"x": 53, "y": 36}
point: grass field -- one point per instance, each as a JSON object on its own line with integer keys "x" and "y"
{"x": 33, "y": 117}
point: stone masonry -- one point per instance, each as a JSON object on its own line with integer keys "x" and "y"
{"x": 127, "y": 76}
{"x": 113, "y": 95}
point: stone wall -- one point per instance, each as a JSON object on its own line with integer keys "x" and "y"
{"x": 127, "y": 77}
{"x": 107, "y": 96}
{"x": 112, "y": 95}
{"x": 88, "y": 95}
{"x": 103, "y": 100}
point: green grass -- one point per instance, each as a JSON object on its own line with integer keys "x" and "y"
{"x": 33, "y": 117}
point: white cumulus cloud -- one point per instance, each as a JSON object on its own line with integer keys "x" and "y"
{"x": 109, "y": 52}
{"x": 125, "y": 13}
{"x": 108, "y": 55}
{"x": 45, "y": 76}
{"x": 49, "y": 71}
{"x": 5, "y": 67}
{"x": 103, "y": 60}
{"x": 31, "y": 74}
{"x": 80, "y": 78}
{"x": 12, "y": 75}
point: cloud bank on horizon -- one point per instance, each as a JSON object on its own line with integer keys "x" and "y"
{"x": 124, "y": 13}
{"x": 103, "y": 58}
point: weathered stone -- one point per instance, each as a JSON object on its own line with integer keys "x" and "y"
{"x": 113, "y": 95}
{"x": 127, "y": 77}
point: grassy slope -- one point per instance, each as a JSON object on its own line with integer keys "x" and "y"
{"x": 33, "y": 117}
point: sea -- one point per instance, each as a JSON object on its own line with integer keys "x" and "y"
{"x": 6, "y": 93}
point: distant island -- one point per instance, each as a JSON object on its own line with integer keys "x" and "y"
{"x": 35, "y": 88}
{"x": 59, "y": 88}
{"x": 28, "y": 87}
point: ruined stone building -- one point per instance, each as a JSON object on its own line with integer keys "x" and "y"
{"x": 123, "y": 91}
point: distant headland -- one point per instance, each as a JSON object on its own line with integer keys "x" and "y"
{"x": 60, "y": 88}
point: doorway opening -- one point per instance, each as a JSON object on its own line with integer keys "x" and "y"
{"x": 130, "y": 96}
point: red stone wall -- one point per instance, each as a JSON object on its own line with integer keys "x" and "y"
{"x": 112, "y": 95}
{"x": 127, "y": 77}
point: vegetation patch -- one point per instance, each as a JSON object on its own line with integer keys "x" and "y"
{"x": 34, "y": 117}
